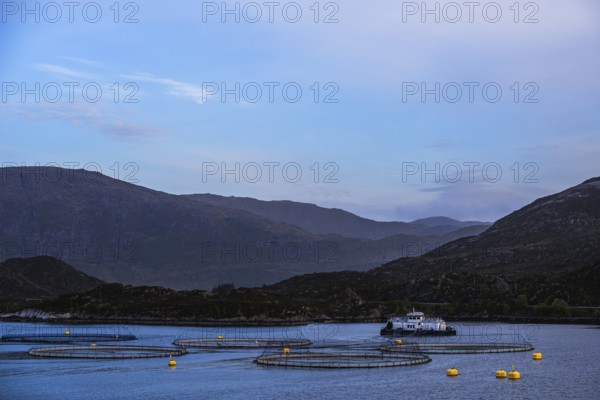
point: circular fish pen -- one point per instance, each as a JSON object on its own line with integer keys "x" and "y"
{"x": 107, "y": 352}
{"x": 64, "y": 338}
{"x": 457, "y": 348}
{"x": 242, "y": 343}
{"x": 341, "y": 360}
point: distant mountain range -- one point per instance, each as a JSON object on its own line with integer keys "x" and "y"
{"x": 119, "y": 232}
{"x": 436, "y": 222}
{"x": 535, "y": 262}
{"x": 319, "y": 220}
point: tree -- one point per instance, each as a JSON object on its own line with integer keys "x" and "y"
{"x": 559, "y": 303}
{"x": 560, "y": 307}
{"x": 521, "y": 302}
{"x": 224, "y": 288}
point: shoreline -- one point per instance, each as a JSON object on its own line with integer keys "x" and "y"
{"x": 298, "y": 322}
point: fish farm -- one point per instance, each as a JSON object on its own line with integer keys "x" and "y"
{"x": 66, "y": 338}
{"x": 341, "y": 360}
{"x": 457, "y": 348}
{"x": 248, "y": 343}
{"x": 107, "y": 352}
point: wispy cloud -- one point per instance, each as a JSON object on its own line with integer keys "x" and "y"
{"x": 127, "y": 131}
{"x": 84, "y": 61}
{"x": 101, "y": 117}
{"x": 63, "y": 71}
{"x": 86, "y": 116}
{"x": 174, "y": 87}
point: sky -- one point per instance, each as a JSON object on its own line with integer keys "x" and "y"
{"x": 391, "y": 110}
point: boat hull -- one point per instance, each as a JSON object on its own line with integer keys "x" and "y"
{"x": 450, "y": 331}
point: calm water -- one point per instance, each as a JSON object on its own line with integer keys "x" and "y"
{"x": 570, "y": 368}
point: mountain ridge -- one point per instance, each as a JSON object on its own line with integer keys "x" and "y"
{"x": 320, "y": 220}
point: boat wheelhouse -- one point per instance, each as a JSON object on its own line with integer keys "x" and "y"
{"x": 418, "y": 324}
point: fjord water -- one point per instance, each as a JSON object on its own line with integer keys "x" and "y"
{"x": 569, "y": 369}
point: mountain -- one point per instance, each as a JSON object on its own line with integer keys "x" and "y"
{"x": 445, "y": 221}
{"x": 539, "y": 263}
{"x": 319, "y": 220}
{"x": 120, "y": 232}
{"x": 38, "y": 277}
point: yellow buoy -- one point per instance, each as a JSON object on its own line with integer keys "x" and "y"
{"x": 536, "y": 356}
{"x": 172, "y": 362}
{"x": 501, "y": 374}
{"x": 286, "y": 351}
{"x": 398, "y": 341}
{"x": 93, "y": 344}
{"x": 67, "y": 332}
{"x": 219, "y": 337}
{"x": 452, "y": 372}
{"x": 514, "y": 374}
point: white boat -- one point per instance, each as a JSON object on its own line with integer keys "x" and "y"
{"x": 416, "y": 323}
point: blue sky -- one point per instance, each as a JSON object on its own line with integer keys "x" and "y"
{"x": 368, "y": 142}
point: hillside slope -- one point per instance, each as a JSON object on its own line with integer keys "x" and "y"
{"x": 38, "y": 277}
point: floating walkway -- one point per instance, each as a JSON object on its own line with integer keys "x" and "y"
{"x": 457, "y": 348}
{"x": 341, "y": 360}
{"x": 241, "y": 343}
{"x": 107, "y": 352}
{"x": 66, "y": 338}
